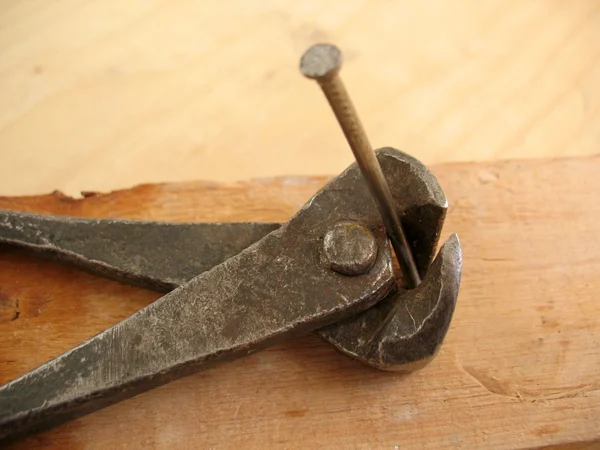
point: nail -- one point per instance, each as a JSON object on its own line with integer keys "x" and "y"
{"x": 322, "y": 62}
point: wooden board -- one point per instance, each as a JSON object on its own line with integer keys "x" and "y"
{"x": 108, "y": 94}
{"x": 520, "y": 367}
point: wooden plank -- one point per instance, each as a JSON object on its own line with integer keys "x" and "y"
{"x": 211, "y": 90}
{"x": 519, "y": 368}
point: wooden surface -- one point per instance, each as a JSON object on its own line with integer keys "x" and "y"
{"x": 519, "y": 368}
{"x": 103, "y": 95}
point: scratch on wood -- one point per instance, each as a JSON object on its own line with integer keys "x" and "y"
{"x": 296, "y": 413}
{"x": 505, "y": 388}
{"x": 496, "y": 259}
{"x": 17, "y": 312}
{"x": 11, "y": 308}
{"x": 237, "y": 411}
{"x": 549, "y": 429}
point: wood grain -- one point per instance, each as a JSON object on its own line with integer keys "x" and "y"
{"x": 106, "y": 95}
{"x": 519, "y": 368}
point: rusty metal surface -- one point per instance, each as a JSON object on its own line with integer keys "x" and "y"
{"x": 155, "y": 255}
{"x": 162, "y": 256}
{"x": 274, "y": 290}
{"x": 405, "y": 331}
{"x": 422, "y": 207}
{"x": 418, "y": 197}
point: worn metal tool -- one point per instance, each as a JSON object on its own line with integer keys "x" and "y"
{"x": 237, "y": 288}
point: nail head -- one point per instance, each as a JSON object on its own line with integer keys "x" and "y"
{"x": 321, "y": 60}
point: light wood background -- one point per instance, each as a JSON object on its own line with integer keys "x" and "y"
{"x": 98, "y": 95}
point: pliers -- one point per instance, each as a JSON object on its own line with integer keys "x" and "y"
{"x": 235, "y": 288}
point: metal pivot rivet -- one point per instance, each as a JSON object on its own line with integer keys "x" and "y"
{"x": 349, "y": 248}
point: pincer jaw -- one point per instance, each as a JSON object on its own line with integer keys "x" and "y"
{"x": 409, "y": 326}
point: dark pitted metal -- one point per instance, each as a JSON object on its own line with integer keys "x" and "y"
{"x": 405, "y": 331}
{"x": 420, "y": 202}
{"x": 162, "y": 256}
{"x": 349, "y": 248}
{"x": 274, "y": 290}
{"x": 422, "y": 207}
{"x": 156, "y": 255}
